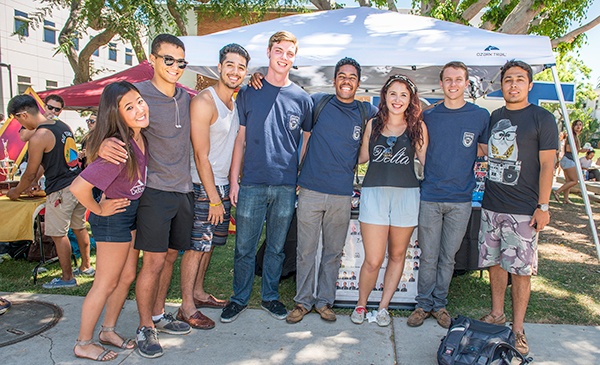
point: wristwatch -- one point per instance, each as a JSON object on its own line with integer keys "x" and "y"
{"x": 543, "y": 207}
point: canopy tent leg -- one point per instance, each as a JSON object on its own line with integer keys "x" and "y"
{"x": 584, "y": 195}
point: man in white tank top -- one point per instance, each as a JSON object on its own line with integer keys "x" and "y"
{"x": 214, "y": 127}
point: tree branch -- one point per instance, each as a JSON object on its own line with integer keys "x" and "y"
{"x": 138, "y": 48}
{"x": 172, "y": 6}
{"x": 570, "y": 37}
{"x": 82, "y": 72}
{"x": 366, "y": 3}
{"x": 67, "y": 33}
{"x": 474, "y": 9}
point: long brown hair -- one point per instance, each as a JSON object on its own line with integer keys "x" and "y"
{"x": 575, "y": 135}
{"x": 110, "y": 124}
{"x": 412, "y": 115}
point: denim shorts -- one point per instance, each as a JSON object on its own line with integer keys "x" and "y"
{"x": 566, "y": 163}
{"x": 116, "y": 227}
{"x": 389, "y": 206}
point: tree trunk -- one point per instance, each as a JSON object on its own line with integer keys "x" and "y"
{"x": 426, "y": 7}
{"x": 138, "y": 48}
{"x": 67, "y": 33}
{"x": 171, "y": 5}
{"x": 366, "y": 3}
{"x": 392, "y": 5}
{"x": 517, "y": 22}
{"x": 322, "y": 4}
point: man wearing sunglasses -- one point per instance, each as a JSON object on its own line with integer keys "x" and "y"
{"x": 457, "y": 129}
{"x": 54, "y": 105}
{"x": 165, "y": 213}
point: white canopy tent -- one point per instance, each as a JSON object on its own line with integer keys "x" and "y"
{"x": 384, "y": 43}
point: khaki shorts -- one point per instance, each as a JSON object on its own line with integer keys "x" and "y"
{"x": 63, "y": 211}
{"x": 508, "y": 240}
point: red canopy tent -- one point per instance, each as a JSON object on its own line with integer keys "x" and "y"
{"x": 87, "y": 95}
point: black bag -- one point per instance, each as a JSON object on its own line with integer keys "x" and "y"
{"x": 472, "y": 342}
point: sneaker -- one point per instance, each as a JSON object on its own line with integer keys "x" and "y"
{"x": 417, "y": 317}
{"x": 296, "y": 314}
{"x": 232, "y": 311}
{"x": 89, "y": 272}
{"x": 275, "y": 308}
{"x": 443, "y": 318}
{"x": 521, "y": 343}
{"x": 383, "y": 318}
{"x": 168, "y": 324}
{"x": 327, "y": 313}
{"x": 147, "y": 343}
{"x": 490, "y": 318}
{"x": 58, "y": 283}
{"x": 359, "y": 315}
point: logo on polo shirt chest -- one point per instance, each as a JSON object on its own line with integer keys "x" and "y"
{"x": 468, "y": 138}
{"x": 294, "y": 122}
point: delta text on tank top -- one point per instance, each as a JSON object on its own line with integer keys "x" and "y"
{"x": 395, "y": 171}
{"x": 61, "y": 165}
{"x": 222, "y": 137}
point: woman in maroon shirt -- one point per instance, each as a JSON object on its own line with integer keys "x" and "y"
{"x": 122, "y": 114}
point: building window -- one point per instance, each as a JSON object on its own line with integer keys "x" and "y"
{"x": 96, "y": 52}
{"x": 23, "y": 82}
{"x": 112, "y": 51}
{"x": 128, "y": 56}
{"x": 49, "y": 32}
{"x": 22, "y": 23}
{"x": 51, "y": 85}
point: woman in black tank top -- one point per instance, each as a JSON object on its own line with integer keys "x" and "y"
{"x": 389, "y": 205}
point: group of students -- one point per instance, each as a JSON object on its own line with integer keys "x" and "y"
{"x": 148, "y": 190}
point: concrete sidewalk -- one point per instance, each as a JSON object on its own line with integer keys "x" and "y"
{"x": 257, "y": 338}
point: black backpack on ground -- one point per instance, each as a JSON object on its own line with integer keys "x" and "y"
{"x": 472, "y": 342}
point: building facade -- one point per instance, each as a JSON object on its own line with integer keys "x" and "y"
{"x": 33, "y": 61}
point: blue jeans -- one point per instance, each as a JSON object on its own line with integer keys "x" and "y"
{"x": 442, "y": 227}
{"x": 255, "y": 202}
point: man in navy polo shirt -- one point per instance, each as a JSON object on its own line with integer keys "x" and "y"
{"x": 272, "y": 120}
{"x": 456, "y": 128}
{"x": 326, "y": 191}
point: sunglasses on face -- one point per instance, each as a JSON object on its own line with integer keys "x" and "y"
{"x": 169, "y": 61}
{"x": 90, "y": 121}
{"x": 391, "y": 142}
{"x": 51, "y": 108}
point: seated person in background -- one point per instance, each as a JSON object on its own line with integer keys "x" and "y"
{"x": 589, "y": 169}
{"x": 48, "y": 144}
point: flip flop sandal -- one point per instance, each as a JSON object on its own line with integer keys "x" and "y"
{"x": 556, "y": 196}
{"x": 100, "y": 357}
{"x": 127, "y": 344}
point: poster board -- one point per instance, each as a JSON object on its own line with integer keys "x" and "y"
{"x": 349, "y": 273}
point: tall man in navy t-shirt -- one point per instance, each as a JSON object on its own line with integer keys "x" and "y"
{"x": 522, "y": 145}
{"x": 325, "y": 192}
{"x": 271, "y": 122}
{"x": 456, "y": 128}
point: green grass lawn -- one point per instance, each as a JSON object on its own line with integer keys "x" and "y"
{"x": 567, "y": 289}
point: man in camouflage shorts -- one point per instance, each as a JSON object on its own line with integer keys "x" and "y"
{"x": 521, "y": 147}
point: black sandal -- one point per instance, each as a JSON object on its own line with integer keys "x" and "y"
{"x": 127, "y": 344}
{"x": 101, "y": 357}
